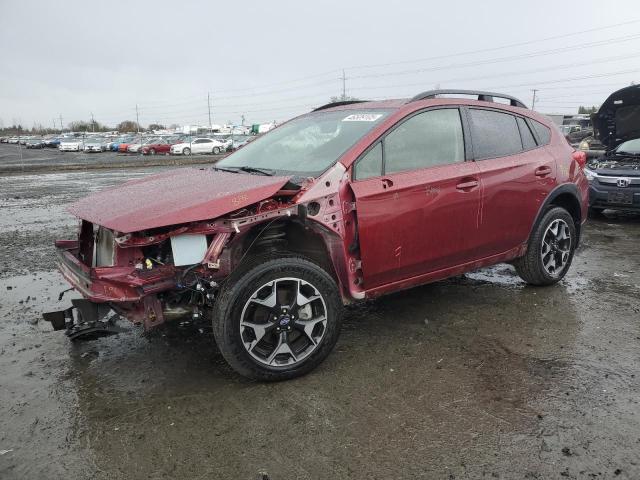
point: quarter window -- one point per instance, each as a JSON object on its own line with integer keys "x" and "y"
{"x": 371, "y": 164}
{"x": 425, "y": 140}
{"x": 543, "y": 132}
{"x": 494, "y": 134}
{"x": 528, "y": 142}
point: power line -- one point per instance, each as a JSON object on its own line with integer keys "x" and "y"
{"x": 504, "y": 59}
{"x": 493, "y": 49}
{"x": 514, "y": 73}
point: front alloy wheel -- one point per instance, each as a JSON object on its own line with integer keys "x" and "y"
{"x": 283, "y": 322}
{"x": 277, "y": 318}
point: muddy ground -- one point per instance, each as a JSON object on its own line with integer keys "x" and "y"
{"x": 475, "y": 377}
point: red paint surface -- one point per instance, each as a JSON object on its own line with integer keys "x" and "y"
{"x": 174, "y": 197}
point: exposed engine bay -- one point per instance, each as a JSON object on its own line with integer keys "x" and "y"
{"x": 615, "y": 162}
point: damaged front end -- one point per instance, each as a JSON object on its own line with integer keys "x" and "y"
{"x": 173, "y": 271}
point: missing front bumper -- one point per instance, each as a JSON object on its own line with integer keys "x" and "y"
{"x": 84, "y": 320}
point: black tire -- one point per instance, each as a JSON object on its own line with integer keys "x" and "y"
{"x": 186, "y": 151}
{"x": 530, "y": 267}
{"x": 215, "y": 150}
{"x": 152, "y": 151}
{"x": 241, "y": 285}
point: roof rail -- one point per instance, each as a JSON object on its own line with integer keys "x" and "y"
{"x": 338, "y": 104}
{"x": 482, "y": 96}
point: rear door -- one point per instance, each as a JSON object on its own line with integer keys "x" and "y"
{"x": 516, "y": 174}
{"x": 417, "y": 199}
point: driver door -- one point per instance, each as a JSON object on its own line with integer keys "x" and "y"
{"x": 417, "y": 199}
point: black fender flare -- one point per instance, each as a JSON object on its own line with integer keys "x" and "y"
{"x": 565, "y": 188}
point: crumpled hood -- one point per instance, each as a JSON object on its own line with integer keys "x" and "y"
{"x": 174, "y": 197}
{"x": 618, "y": 119}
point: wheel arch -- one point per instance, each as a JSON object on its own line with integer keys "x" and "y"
{"x": 306, "y": 238}
{"x": 568, "y": 197}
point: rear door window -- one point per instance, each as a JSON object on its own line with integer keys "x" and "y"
{"x": 544, "y": 134}
{"x": 528, "y": 142}
{"x": 494, "y": 134}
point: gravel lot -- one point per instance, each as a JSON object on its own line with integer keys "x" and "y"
{"x": 476, "y": 377}
{"x": 19, "y": 160}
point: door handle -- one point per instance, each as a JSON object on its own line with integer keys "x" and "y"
{"x": 467, "y": 184}
{"x": 542, "y": 171}
{"x": 386, "y": 183}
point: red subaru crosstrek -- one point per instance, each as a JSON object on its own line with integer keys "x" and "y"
{"x": 348, "y": 202}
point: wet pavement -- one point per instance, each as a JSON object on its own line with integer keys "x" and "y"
{"x": 479, "y": 376}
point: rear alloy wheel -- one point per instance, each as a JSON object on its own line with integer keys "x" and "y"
{"x": 216, "y": 150}
{"x": 186, "y": 151}
{"x": 278, "y": 319}
{"x": 550, "y": 249}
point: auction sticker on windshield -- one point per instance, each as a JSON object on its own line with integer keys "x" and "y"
{"x": 362, "y": 117}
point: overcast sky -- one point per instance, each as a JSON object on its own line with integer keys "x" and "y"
{"x": 274, "y": 59}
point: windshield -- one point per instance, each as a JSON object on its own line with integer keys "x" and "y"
{"x": 308, "y": 145}
{"x": 630, "y": 146}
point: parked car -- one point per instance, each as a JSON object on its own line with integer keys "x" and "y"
{"x": 94, "y": 144}
{"x": 614, "y": 176}
{"x": 123, "y": 147}
{"x": 157, "y": 146}
{"x": 575, "y": 133}
{"x": 135, "y": 147}
{"x": 239, "y": 141}
{"x": 349, "y": 202}
{"x": 199, "y": 145}
{"x": 35, "y": 143}
{"x": 52, "y": 142}
{"x": 71, "y": 144}
{"x": 13, "y": 140}
{"x": 125, "y": 140}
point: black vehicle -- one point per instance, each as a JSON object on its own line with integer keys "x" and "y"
{"x": 614, "y": 177}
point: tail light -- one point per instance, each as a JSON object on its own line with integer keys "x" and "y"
{"x": 580, "y": 158}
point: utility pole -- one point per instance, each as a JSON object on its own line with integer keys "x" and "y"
{"x": 533, "y": 102}
{"x": 344, "y": 85}
{"x": 61, "y": 127}
{"x": 54, "y": 124}
{"x": 93, "y": 123}
{"x": 137, "y": 120}
{"x": 209, "y": 107}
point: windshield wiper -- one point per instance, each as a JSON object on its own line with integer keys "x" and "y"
{"x": 261, "y": 171}
{"x": 222, "y": 169}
